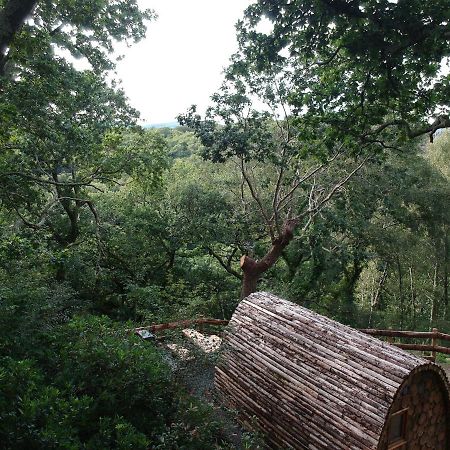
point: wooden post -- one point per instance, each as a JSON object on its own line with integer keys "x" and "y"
{"x": 433, "y": 343}
{"x": 390, "y": 339}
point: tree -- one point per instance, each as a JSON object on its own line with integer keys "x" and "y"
{"x": 86, "y": 28}
{"x": 438, "y": 156}
{"x": 12, "y": 17}
{"x": 54, "y": 118}
{"x": 306, "y": 97}
{"x": 370, "y": 69}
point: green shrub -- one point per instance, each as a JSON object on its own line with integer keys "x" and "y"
{"x": 92, "y": 385}
{"x": 194, "y": 427}
{"x": 119, "y": 434}
{"x": 34, "y": 415}
{"x": 98, "y": 388}
{"x": 125, "y": 376}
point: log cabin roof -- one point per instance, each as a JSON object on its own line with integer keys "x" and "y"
{"x": 310, "y": 381}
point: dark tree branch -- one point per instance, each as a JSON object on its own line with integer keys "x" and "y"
{"x": 257, "y": 199}
{"x": 331, "y": 57}
{"x": 12, "y": 17}
{"x": 347, "y": 8}
{"x": 226, "y": 265}
{"x": 27, "y": 223}
{"x": 56, "y": 30}
{"x": 87, "y": 182}
{"x": 439, "y": 123}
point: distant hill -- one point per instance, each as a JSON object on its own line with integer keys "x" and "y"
{"x": 173, "y": 124}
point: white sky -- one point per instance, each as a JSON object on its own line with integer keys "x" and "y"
{"x": 180, "y": 63}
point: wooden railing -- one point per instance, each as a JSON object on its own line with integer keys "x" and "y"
{"x": 433, "y": 346}
{"x": 181, "y": 324}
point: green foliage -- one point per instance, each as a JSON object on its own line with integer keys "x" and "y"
{"x": 105, "y": 226}
{"x": 54, "y": 118}
{"x": 97, "y": 387}
{"x": 190, "y": 430}
{"x": 84, "y": 28}
{"x": 354, "y": 66}
{"x": 34, "y": 415}
{"x": 183, "y": 143}
{"x": 439, "y": 154}
{"x": 97, "y": 360}
{"x": 303, "y": 103}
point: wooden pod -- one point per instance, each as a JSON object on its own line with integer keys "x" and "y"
{"x": 308, "y": 382}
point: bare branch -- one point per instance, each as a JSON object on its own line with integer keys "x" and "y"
{"x": 257, "y": 199}
{"x": 308, "y": 176}
{"x": 276, "y": 195}
{"x": 313, "y": 212}
{"x": 225, "y": 265}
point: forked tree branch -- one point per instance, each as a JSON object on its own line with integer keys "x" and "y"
{"x": 312, "y": 212}
{"x": 255, "y": 197}
{"x": 439, "y": 123}
{"x": 308, "y": 176}
{"x": 226, "y": 265}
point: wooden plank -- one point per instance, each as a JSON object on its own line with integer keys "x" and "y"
{"x": 423, "y": 347}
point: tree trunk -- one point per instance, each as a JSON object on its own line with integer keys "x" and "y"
{"x": 250, "y": 279}
{"x": 445, "y": 278}
{"x": 72, "y": 212}
{"x": 352, "y": 278}
{"x": 253, "y": 269}
{"x": 400, "y": 292}
{"x": 12, "y": 17}
{"x": 413, "y": 298}
{"x": 434, "y": 298}
{"x": 375, "y": 301}
{"x": 346, "y": 294}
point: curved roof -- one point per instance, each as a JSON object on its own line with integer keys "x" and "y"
{"x": 311, "y": 381}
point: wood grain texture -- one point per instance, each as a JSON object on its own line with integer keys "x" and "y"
{"x": 309, "y": 382}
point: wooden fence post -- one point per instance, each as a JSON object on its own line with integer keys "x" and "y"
{"x": 390, "y": 339}
{"x": 200, "y": 325}
{"x": 433, "y": 343}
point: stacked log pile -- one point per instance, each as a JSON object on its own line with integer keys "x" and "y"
{"x": 427, "y": 415}
{"x": 309, "y": 382}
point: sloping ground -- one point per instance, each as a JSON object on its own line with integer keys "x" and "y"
{"x": 193, "y": 357}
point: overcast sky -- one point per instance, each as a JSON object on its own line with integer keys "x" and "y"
{"x": 181, "y": 60}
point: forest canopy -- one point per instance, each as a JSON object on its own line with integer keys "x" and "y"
{"x": 331, "y": 82}
{"x": 320, "y": 172}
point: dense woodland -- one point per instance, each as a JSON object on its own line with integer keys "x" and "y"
{"x": 320, "y": 173}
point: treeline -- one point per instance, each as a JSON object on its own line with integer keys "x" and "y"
{"x": 164, "y": 242}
